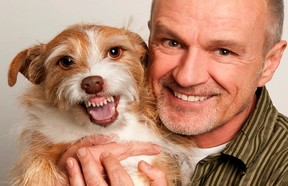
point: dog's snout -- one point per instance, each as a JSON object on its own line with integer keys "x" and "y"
{"x": 92, "y": 84}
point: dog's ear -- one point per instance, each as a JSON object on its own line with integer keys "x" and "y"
{"x": 144, "y": 59}
{"x": 30, "y": 63}
{"x": 144, "y": 54}
{"x": 142, "y": 49}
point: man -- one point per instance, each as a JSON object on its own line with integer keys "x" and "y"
{"x": 210, "y": 61}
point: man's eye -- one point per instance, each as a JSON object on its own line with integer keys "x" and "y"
{"x": 172, "y": 43}
{"x": 223, "y": 52}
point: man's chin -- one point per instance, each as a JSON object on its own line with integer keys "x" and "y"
{"x": 189, "y": 127}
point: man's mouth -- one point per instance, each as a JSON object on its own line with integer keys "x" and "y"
{"x": 190, "y": 98}
{"x": 102, "y": 109}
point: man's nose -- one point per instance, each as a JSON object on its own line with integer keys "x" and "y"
{"x": 192, "y": 68}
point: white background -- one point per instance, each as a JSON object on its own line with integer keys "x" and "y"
{"x": 24, "y": 23}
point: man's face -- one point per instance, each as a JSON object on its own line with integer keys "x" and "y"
{"x": 206, "y": 61}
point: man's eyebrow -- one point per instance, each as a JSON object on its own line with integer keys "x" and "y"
{"x": 162, "y": 28}
{"x": 229, "y": 44}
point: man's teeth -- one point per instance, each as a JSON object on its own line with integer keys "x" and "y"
{"x": 100, "y": 104}
{"x": 190, "y": 98}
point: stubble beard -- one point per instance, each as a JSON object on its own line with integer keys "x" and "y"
{"x": 182, "y": 121}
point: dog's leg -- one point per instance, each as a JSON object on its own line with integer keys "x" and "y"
{"x": 37, "y": 163}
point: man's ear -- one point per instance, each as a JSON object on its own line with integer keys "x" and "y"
{"x": 272, "y": 61}
{"x": 149, "y": 25}
{"x": 150, "y": 30}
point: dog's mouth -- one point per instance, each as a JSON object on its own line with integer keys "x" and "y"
{"x": 102, "y": 109}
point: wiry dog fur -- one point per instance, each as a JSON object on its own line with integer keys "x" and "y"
{"x": 112, "y": 60}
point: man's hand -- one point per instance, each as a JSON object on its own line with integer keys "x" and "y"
{"x": 85, "y": 142}
{"x": 93, "y": 160}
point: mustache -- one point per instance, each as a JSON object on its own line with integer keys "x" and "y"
{"x": 210, "y": 88}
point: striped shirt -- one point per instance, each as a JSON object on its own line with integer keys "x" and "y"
{"x": 258, "y": 155}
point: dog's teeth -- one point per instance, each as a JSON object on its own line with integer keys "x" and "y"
{"x": 88, "y": 104}
{"x": 110, "y": 100}
{"x": 100, "y": 104}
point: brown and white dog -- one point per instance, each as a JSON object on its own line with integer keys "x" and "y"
{"x": 88, "y": 80}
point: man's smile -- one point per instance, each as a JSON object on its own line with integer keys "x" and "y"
{"x": 190, "y": 98}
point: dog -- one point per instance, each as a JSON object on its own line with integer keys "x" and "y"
{"x": 88, "y": 80}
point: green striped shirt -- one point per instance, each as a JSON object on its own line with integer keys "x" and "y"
{"x": 258, "y": 155}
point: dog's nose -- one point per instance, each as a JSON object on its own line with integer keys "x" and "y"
{"x": 92, "y": 84}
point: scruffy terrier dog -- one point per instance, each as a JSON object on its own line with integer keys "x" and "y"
{"x": 89, "y": 80}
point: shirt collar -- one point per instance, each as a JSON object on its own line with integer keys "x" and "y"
{"x": 255, "y": 133}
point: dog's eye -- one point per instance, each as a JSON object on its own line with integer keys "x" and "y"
{"x": 65, "y": 62}
{"x": 115, "y": 52}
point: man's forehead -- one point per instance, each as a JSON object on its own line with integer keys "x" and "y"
{"x": 211, "y": 5}
{"x": 212, "y": 12}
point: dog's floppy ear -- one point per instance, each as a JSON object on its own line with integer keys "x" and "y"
{"x": 30, "y": 63}
{"x": 142, "y": 49}
{"x": 144, "y": 54}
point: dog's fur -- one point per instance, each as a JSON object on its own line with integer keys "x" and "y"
{"x": 112, "y": 62}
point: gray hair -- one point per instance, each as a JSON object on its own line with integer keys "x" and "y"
{"x": 275, "y": 22}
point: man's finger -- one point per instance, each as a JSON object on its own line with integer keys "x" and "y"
{"x": 74, "y": 173}
{"x": 116, "y": 173}
{"x": 92, "y": 173}
{"x": 157, "y": 176}
{"x": 124, "y": 150}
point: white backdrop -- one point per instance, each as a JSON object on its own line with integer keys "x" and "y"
{"x": 24, "y": 23}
